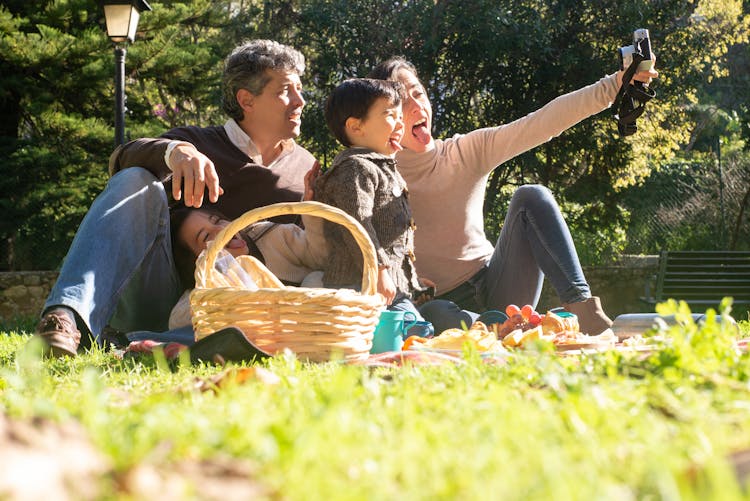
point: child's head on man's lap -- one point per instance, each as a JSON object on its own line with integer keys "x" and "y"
{"x": 191, "y": 230}
{"x": 366, "y": 112}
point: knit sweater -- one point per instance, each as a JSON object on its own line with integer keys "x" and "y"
{"x": 246, "y": 184}
{"x": 367, "y": 186}
{"x": 447, "y": 183}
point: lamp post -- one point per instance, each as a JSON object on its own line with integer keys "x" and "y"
{"x": 122, "y": 21}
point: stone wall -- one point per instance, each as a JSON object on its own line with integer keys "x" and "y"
{"x": 22, "y": 294}
{"x": 619, "y": 285}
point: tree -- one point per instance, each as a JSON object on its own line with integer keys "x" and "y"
{"x": 484, "y": 62}
{"x": 56, "y": 97}
{"x": 489, "y": 62}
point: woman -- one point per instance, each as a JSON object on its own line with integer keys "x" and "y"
{"x": 451, "y": 247}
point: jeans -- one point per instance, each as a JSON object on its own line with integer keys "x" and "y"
{"x": 119, "y": 269}
{"x": 405, "y": 304}
{"x": 534, "y": 242}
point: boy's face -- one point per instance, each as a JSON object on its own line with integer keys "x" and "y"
{"x": 381, "y": 130}
{"x": 200, "y": 228}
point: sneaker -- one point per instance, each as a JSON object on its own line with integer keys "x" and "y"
{"x": 59, "y": 333}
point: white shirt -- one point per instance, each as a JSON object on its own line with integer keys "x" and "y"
{"x": 246, "y": 145}
{"x": 242, "y": 141}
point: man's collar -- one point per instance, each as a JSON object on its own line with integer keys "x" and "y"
{"x": 242, "y": 141}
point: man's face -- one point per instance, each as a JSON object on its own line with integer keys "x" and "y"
{"x": 278, "y": 109}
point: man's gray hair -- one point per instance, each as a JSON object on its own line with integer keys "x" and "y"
{"x": 245, "y": 68}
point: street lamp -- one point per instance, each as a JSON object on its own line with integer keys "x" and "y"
{"x": 122, "y": 21}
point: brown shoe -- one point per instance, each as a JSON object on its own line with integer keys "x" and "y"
{"x": 591, "y": 317}
{"x": 59, "y": 334}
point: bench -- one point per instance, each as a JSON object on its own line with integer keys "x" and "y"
{"x": 701, "y": 278}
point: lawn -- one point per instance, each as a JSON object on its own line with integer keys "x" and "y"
{"x": 669, "y": 424}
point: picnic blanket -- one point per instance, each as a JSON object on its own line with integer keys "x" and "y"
{"x": 230, "y": 345}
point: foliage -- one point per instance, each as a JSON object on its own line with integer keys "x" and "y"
{"x": 616, "y": 425}
{"x": 483, "y": 62}
{"x": 56, "y": 91}
{"x": 693, "y": 205}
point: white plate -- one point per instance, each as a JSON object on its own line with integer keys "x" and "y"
{"x": 457, "y": 353}
{"x": 585, "y": 346}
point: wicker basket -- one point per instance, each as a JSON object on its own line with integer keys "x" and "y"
{"x": 314, "y": 323}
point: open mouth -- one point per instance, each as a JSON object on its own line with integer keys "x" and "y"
{"x": 395, "y": 143}
{"x": 296, "y": 117}
{"x": 420, "y": 131}
{"x": 235, "y": 243}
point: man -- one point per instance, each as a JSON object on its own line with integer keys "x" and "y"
{"x": 119, "y": 270}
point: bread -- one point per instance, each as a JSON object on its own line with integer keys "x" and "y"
{"x": 519, "y": 337}
{"x": 553, "y": 323}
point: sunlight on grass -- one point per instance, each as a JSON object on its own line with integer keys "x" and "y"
{"x": 602, "y": 426}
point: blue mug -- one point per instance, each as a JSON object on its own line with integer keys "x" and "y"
{"x": 421, "y": 329}
{"x": 389, "y": 333}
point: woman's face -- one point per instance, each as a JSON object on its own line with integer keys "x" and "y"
{"x": 200, "y": 228}
{"x": 417, "y": 114}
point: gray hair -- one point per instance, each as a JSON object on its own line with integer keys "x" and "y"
{"x": 245, "y": 68}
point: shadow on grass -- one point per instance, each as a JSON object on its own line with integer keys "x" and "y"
{"x": 25, "y": 324}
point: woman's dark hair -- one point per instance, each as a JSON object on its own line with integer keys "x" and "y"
{"x": 353, "y": 99}
{"x": 184, "y": 258}
{"x": 388, "y": 69}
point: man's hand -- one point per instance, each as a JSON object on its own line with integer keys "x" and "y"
{"x": 196, "y": 172}
{"x": 310, "y": 178}
{"x": 386, "y": 287}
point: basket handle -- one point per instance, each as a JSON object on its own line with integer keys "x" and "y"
{"x": 333, "y": 214}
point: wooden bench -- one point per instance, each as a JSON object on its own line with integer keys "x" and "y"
{"x": 701, "y": 278}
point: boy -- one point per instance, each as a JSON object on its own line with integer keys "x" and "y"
{"x": 365, "y": 116}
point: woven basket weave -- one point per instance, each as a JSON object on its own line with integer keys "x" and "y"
{"x": 314, "y": 323}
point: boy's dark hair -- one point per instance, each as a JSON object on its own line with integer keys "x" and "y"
{"x": 353, "y": 99}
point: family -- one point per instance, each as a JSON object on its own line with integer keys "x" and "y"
{"x": 420, "y": 200}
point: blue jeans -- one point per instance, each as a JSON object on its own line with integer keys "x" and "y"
{"x": 534, "y": 242}
{"x": 404, "y": 304}
{"x": 119, "y": 269}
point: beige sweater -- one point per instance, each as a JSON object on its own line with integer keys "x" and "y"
{"x": 447, "y": 182}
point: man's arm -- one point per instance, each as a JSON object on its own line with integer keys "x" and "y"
{"x": 147, "y": 153}
{"x": 191, "y": 170}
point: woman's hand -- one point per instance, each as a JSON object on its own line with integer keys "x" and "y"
{"x": 641, "y": 76}
{"x": 426, "y": 295}
{"x": 386, "y": 287}
{"x": 425, "y": 282}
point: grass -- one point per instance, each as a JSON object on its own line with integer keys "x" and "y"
{"x": 539, "y": 426}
